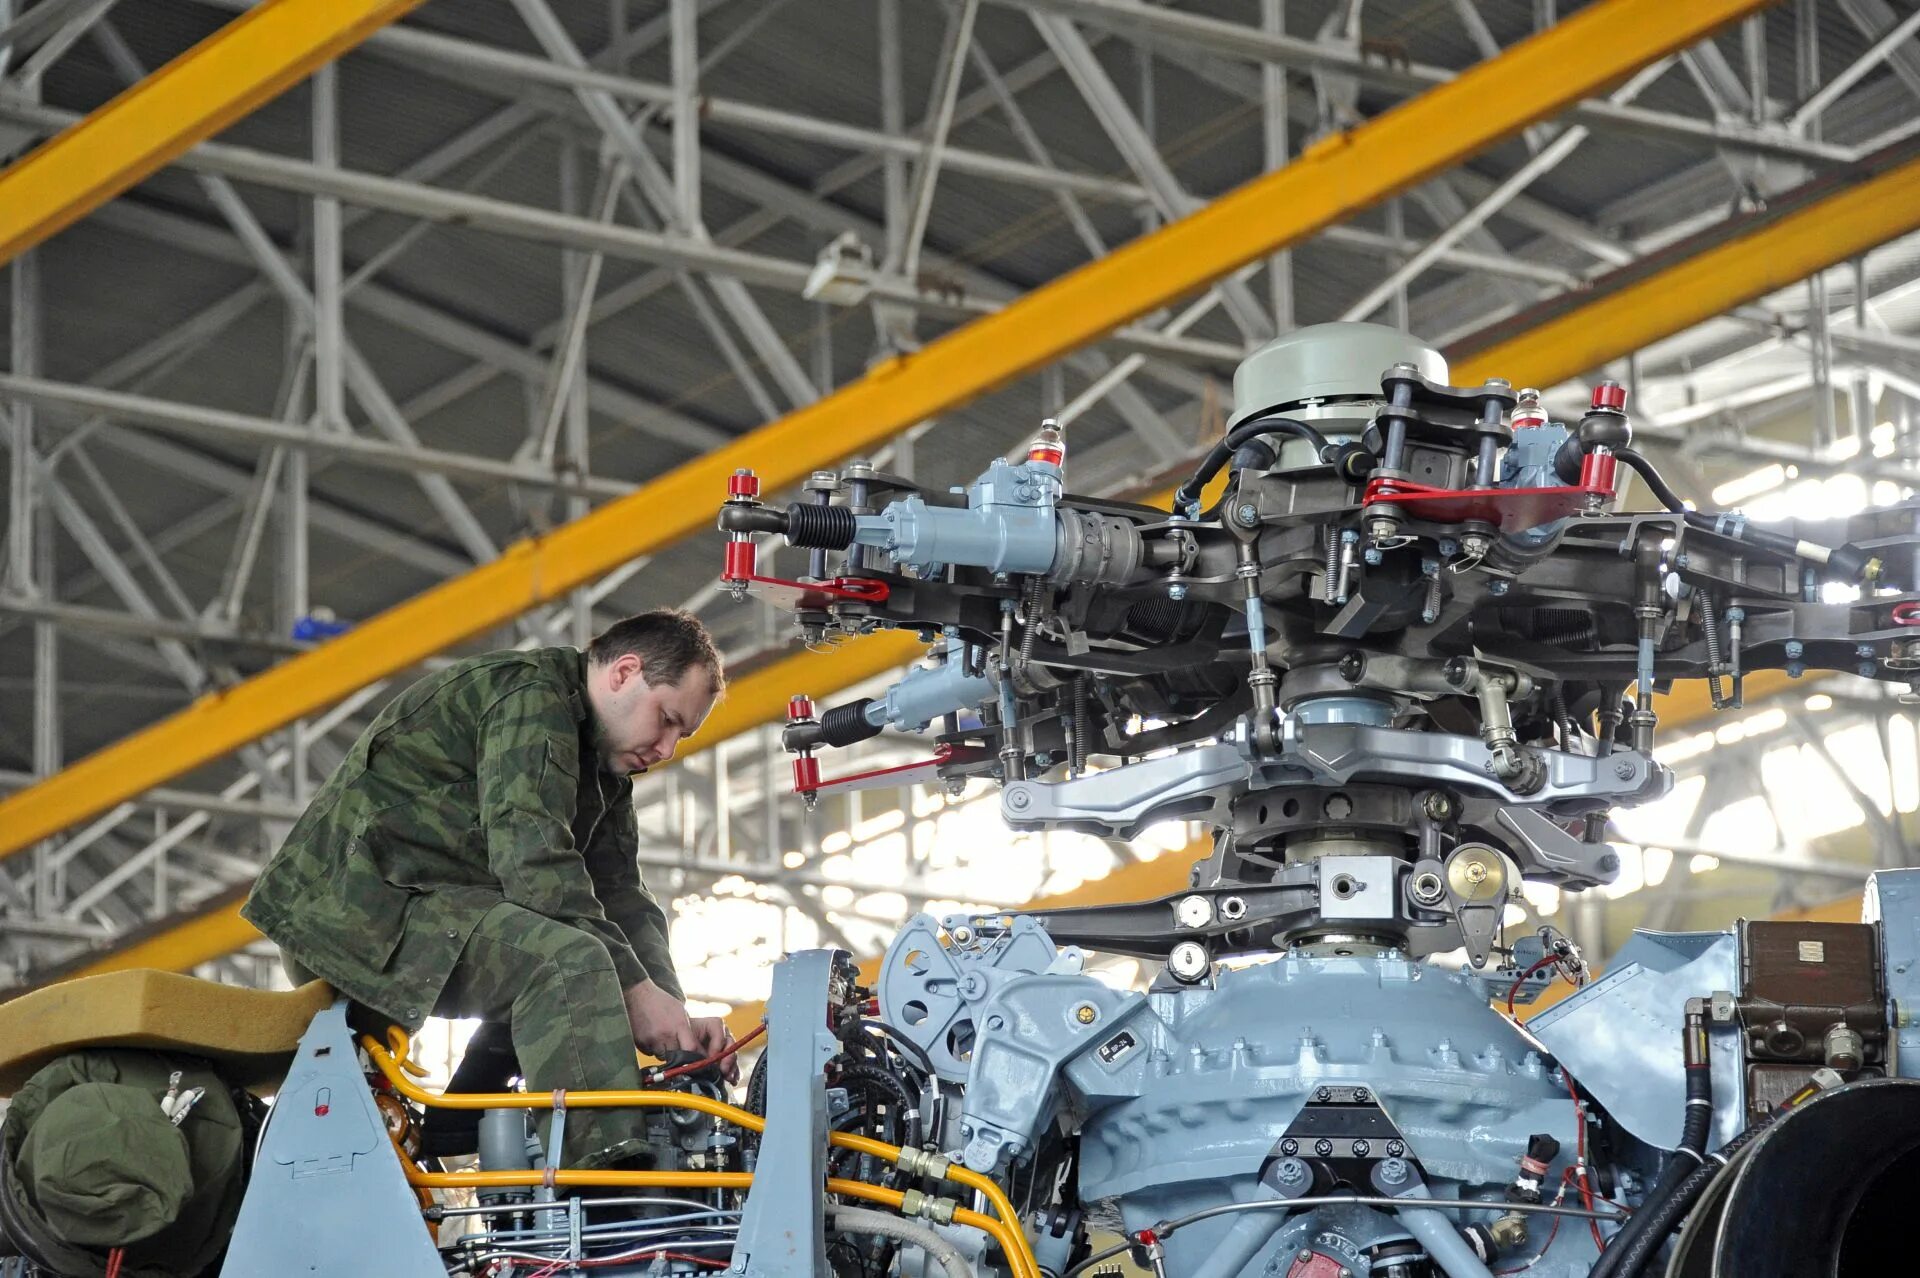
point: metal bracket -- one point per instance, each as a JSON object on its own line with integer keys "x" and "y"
{"x": 782, "y": 1230}
{"x": 328, "y": 1190}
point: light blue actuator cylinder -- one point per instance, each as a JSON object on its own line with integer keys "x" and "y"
{"x": 925, "y": 693}
{"x": 1008, "y": 525}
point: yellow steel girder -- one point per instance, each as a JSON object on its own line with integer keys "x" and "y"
{"x": 1586, "y": 53}
{"x": 249, "y": 60}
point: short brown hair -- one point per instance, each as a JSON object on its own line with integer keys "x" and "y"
{"x": 668, "y": 642}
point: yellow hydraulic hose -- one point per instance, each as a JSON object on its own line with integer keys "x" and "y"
{"x": 392, "y": 1060}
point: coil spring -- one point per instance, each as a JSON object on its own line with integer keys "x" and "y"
{"x": 1030, "y": 619}
{"x": 1556, "y": 625}
{"x": 1330, "y": 583}
{"x": 1710, "y": 627}
{"x": 1080, "y": 724}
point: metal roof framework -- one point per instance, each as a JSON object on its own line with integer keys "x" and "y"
{"x": 653, "y": 179}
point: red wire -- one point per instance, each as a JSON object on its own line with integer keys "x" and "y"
{"x": 628, "y": 1258}
{"x": 1522, "y": 980}
{"x": 1580, "y": 1166}
{"x": 1907, "y": 614}
{"x": 114, "y": 1258}
{"x": 714, "y": 1059}
{"x": 1552, "y": 1233}
{"x": 1579, "y": 1170}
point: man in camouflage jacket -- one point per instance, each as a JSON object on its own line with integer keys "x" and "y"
{"x": 475, "y": 856}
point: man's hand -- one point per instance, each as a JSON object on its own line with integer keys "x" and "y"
{"x": 714, "y": 1038}
{"x": 659, "y": 1021}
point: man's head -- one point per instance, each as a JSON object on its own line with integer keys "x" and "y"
{"x": 651, "y": 680}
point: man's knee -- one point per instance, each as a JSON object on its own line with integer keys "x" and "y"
{"x": 576, "y": 952}
{"x": 520, "y": 941}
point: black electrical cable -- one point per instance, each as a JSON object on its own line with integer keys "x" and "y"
{"x": 1659, "y": 1228}
{"x": 1253, "y": 428}
{"x": 904, "y": 1103}
{"x": 905, "y": 1046}
{"x": 1848, "y": 562}
{"x": 1681, "y": 1167}
{"x": 1656, "y": 483}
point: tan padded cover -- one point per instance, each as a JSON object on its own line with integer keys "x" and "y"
{"x": 251, "y": 1033}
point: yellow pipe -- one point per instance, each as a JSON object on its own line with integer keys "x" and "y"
{"x": 1487, "y": 103}
{"x": 246, "y": 62}
{"x": 697, "y": 1180}
{"x": 392, "y": 1061}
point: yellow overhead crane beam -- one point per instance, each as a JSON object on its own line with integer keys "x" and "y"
{"x": 255, "y": 57}
{"x": 1590, "y": 51}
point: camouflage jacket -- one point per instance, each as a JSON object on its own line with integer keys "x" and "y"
{"x": 477, "y": 785}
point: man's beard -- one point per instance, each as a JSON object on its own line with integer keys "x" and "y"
{"x": 603, "y": 751}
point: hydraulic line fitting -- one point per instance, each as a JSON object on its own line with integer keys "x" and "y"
{"x": 928, "y": 1207}
{"x": 924, "y": 1162}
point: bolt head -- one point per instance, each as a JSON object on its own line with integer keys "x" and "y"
{"x": 1374, "y": 555}
{"x": 1866, "y": 669}
{"x": 1498, "y": 586}
{"x": 1323, "y": 1094}
{"x": 1396, "y": 1149}
{"x": 1361, "y": 1148}
{"x": 1439, "y": 807}
{"x": 1247, "y": 513}
{"x": 1795, "y": 648}
{"x": 1176, "y": 592}
{"x": 1323, "y": 1147}
{"x": 1863, "y": 650}
{"x": 1086, "y": 1014}
{"x": 1361, "y": 1096}
{"x": 1289, "y": 1147}
{"x": 1624, "y": 769}
{"x": 1188, "y": 961}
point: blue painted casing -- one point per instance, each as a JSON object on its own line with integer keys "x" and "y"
{"x": 1621, "y": 1034}
{"x": 1893, "y": 899}
{"x": 1008, "y": 525}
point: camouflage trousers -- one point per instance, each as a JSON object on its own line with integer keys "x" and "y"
{"x": 555, "y": 989}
